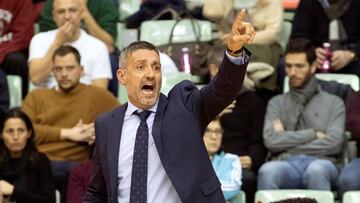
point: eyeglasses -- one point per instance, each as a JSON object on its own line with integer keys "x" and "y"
{"x": 211, "y": 131}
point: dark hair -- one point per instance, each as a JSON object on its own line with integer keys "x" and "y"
{"x": 297, "y": 200}
{"x": 302, "y": 45}
{"x": 66, "y": 49}
{"x": 30, "y": 154}
{"x": 134, "y": 47}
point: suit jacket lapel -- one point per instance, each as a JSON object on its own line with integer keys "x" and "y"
{"x": 114, "y": 145}
{"x": 157, "y": 122}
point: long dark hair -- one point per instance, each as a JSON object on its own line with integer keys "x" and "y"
{"x": 29, "y": 156}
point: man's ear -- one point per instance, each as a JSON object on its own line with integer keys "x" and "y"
{"x": 121, "y": 76}
{"x": 82, "y": 70}
{"x": 313, "y": 67}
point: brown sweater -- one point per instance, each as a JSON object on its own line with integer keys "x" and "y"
{"x": 51, "y": 110}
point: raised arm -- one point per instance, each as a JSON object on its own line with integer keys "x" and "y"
{"x": 226, "y": 85}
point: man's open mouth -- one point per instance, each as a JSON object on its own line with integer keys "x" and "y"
{"x": 147, "y": 88}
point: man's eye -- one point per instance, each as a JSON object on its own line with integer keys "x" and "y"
{"x": 140, "y": 67}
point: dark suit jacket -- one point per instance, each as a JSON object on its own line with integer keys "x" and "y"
{"x": 179, "y": 125}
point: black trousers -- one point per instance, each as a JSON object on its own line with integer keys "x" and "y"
{"x": 249, "y": 184}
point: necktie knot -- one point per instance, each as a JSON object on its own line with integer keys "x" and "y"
{"x": 144, "y": 115}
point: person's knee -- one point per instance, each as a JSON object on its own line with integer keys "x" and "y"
{"x": 319, "y": 168}
{"x": 320, "y": 174}
{"x": 270, "y": 170}
{"x": 346, "y": 181}
{"x": 16, "y": 57}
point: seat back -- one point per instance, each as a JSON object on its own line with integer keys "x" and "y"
{"x": 267, "y": 196}
{"x": 351, "y": 197}
{"x": 240, "y": 198}
{"x": 158, "y": 32}
{"x": 128, "y": 7}
{"x": 15, "y": 90}
{"x": 285, "y": 34}
{"x": 125, "y": 36}
{"x": 348, "y": 79}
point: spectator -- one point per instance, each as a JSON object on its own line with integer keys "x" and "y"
{"x": 67, "y": 14}
{"x": 337, "y": 22}
{"x": 99, "y": 19}
{"x": 25, "y": 173}
{"x": 227, "y": 166}
{"x": 16, "y": 30}
{"x": 267, "y": 18}
{"x": 243, "y": 137}
{"x": 349, "y": 178}
{"x": 242, "y": 123}
{"x": 303, "y": 128}
{"x": 63, "y": 117}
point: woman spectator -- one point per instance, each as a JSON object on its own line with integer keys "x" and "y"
{"x": 25, "y": 173}
{"x": 227, "y": 166}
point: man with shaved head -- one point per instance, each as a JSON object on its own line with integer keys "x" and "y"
{"x": 67, "y": 15}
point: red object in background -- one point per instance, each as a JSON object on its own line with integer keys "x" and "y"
{"x": 326, "y": 65}
{"x": 290, "y": 4}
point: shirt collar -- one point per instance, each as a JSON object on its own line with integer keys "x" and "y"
{"x": 131, "y": 108}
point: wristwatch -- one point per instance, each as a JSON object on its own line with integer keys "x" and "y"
{"x": 234, "y": 53}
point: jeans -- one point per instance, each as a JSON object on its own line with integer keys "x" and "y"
{"x": 61, "y": 170}
{"x": 298, "y": 172}
{"x": 349, "y": 178}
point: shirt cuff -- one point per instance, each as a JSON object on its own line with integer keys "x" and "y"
{"x": 242, "y": 59}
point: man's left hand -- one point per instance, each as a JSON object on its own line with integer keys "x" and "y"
{"x": 278, "y": 126}
{"x": 241, "y": 33}
{"x": 340, "y": 59}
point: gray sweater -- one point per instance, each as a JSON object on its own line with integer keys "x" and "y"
{"x": 324, "y": 112}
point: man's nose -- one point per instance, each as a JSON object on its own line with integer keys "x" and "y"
{"x": 63, "y": 72}
{"x": 149, "y": 72}
{"x": 291, "y": 71}
{"x": 67, "y": 15}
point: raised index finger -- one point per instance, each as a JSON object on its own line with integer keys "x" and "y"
{"x": 240, "y": 17}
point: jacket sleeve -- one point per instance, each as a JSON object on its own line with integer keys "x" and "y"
{"x": 106, "y": 15}
{"x": 231, "y": 187}
{"x": 44, "y": 133}
{"x": 332, "y": 143}
{"x": 21, "y": 27}
{"x": 220, "y": 92}
{"x": 282, "y": 141}
{"x": 96, "y": 192}
{"x": 353, "y": 116}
